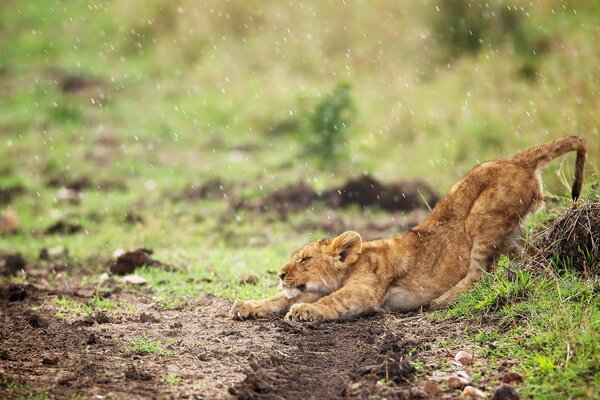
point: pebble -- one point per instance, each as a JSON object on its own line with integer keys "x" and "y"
{"x": 458, "y": 380}
{"x": 473, "y": 393}
{"x": 464, "y": 357}
{"x": 134, "y": 280}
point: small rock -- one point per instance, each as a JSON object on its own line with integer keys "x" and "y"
{"x": 458, "y": 380}
{"x": 9, "y": 222}
{"x": 103, "y": 278}
{"x": 176, "y": 325}
{"x": 505, "y": 392}
{"x": 473, "y": 393}
{"x": 430, "y": 388}
{"x": 463, "y": 357}
{"x": 134, "y": 280}
{"x": 250, "y": 280}
{"x": 511, "y": 378}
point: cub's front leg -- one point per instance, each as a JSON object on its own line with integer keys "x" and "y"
{"x": 278, "y": 304}
{"x": 347, "y": 302}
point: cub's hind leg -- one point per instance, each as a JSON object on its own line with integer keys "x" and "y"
{"x": 493, "y": 235}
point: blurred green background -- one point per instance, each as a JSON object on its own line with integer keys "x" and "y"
{"x": 131, "y": 103}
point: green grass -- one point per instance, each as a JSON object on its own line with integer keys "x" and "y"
{"x": 145, "y": 345}
{"x": 173, "y": 379}
{"x": 66, "y": 306}
{"x": 550, "y": 329}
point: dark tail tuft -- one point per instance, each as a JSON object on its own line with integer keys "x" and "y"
{"x": 578, "y": 182}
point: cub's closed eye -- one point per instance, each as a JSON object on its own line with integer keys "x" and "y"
{"x": 303, "y": 260}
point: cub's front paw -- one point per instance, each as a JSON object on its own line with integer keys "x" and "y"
{"x": 438, "y": 304}
{"x": 248, "y": 309}
{"x": 306, "y": 312}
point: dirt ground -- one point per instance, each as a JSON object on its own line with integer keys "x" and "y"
{"x": 211, "y": 356}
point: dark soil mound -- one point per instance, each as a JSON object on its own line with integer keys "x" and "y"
{"x": 211, "y": 189}
{"x": 571, "y": 242}
{"x": 127, "y": 262}
{"x": 290, "y": 198}
{"x": 13, "y": 264}
{"x": 364, "y": 191}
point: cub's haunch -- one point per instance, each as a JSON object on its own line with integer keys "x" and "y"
{"x": 431, "y": 264}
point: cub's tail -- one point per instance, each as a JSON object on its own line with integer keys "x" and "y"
{"x": 538, "y": 156}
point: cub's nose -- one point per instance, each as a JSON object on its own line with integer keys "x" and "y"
{"x": 282, "y": 276}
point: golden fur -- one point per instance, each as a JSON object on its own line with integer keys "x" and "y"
{"x": 429, "y": 265}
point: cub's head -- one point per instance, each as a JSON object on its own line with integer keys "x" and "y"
{"x": 320, "y": 266}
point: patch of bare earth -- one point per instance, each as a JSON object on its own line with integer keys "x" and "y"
{"x": 92, "y": 355}
{"x": 210, "y": 356}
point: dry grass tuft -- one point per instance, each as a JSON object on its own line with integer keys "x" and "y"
{"x": 572, "y": 242}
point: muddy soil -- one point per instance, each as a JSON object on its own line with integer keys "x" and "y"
{"x": 46, "y": 350}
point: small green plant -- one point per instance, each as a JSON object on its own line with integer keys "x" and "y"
{"x": 330, "y": 123}
{"x": 173, "y": 379}
{"x": 67, "y": 306}
{"x": 145, "y": 345}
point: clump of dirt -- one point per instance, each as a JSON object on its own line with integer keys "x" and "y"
{"x": 288, "y": 199}
{"x": 211, "y": 189}
{"x": 77, "y": 84}
{"x": 572, "y": 241}
{"x": 63, "y": 228}
{"x": 14, "y": 292}
{"x": 13, "y": 264}
{"x": 81, "y": 183}
{"x": 8, "y": 193}
{"x": 36, "y": 321}
{"x": 364, "y": 191}
{"x": 127, "y": 262}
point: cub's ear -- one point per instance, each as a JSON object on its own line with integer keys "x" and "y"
{"x": 346, "y": 247}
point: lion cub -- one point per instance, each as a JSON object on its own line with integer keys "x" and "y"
{"x": 429, "y": 265}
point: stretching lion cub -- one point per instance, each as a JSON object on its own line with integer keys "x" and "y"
{"x": 429, "y": 265}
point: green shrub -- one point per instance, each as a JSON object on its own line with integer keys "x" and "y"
{"x": 330, "y": 122}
